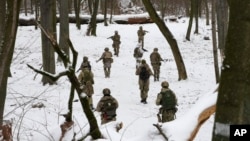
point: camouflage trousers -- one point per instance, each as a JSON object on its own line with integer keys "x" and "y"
{"x": 144, "y": 88}
{"x": 116, "y": 49}
{"x": 167, "y": 115}
{"x": 107, "y": 71}
{"x": 156, "y": 69}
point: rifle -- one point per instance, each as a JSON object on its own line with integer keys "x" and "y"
{"x": 167, "y": 60}
{"x": 146, "y": 31}
{"x": 144, "y": 50}
{"x": 110, "y": 37}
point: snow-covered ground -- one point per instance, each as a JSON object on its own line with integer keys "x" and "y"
{"x": 43, "y": 124}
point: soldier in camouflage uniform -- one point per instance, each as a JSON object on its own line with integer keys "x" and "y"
{"x": 141, "y": 33}
{"x": 168, "y": 101}
{"x": 138, "y": 53}
{"x": 156, "y": 59}
{"x": 86, "y": 79}
{"x": 116, "y": 43}
{"x": 143, "y": 83}
{"x": 85, "y": 64}
{"x": 107, "y": 61}
{"x": 107, "y": 106}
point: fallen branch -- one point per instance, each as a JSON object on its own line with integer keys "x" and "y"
{"x": 202, "y": 118}
{"x": 161, "y": 132}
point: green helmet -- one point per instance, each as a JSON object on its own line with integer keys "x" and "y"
{"x": 106, "y": 49}
{"x": 85, "y": 58}
{"x": 106, "y": 91}
{"x": 165, "y": 84}
{"x": 155, "y": 49}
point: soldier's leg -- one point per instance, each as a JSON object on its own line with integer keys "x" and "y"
{"x": 105, "y": 72}
{"x": 158, "y": 73}
{"x": 109, "y": 68}
{"x": 118, "y": 48}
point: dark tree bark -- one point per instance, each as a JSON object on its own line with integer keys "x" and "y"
{"x": 77, "y": 13}
{"x": 215, "y": 50}
{"x": 169, "y": 37}
{"x": 47, "y": 21}
{"x": 111, "y": 10}
{"x": 190, "y": 24}
{"x": 90, "y": 5}
{"x": 8, "y": 44}
{"x": 92, "y": 25}
{"x": 233, "y": 103}
{"x": 207, "y": 12}
{"x": 105, "y": 12}
{"x": 222, "y": 24}
{"x": 64, "y": 27}
{"x": 196, "y": 16}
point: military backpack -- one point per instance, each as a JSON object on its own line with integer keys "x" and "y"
{"x": 144, "y": 73}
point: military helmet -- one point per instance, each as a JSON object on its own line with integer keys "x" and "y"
{"x": 116, "y": 32}
{"x": 165, "y": 84}
{"x": 155, "y": 49}
{"x": 85, "y": 58}
{"x": 140, "y": 27}
{"x": 106, "y": 49}
{"x": 106, "y": 91}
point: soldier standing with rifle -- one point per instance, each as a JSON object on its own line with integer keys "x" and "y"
{"x": 116, "y": 42}
{"x": 107, "y": 61}
{"x": 141, "y": 33}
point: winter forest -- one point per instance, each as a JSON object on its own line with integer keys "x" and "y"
{"x": 204, "y": 47}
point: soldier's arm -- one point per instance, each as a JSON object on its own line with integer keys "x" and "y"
{"x": 158, "y": 99}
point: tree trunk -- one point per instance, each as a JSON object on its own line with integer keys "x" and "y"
{"x": 190, "y": 20}
{"x": 105, "y": 13}
{"x": 64, "y": 27}
{"x": 111, "y": 10}
{"x": 8, "y": 48}
{"x": 77, "y": 13}
{"x": 47, "y": 49}
{"x": 222, "y": 24}
{"x": 233, "y": 101}
{"x": 196, "y": 15}
{"x": 207, "y": 12}
{"x": 215, "y": 52}
{"x": 169, "y": 37}
{"x": 92, "y": 25}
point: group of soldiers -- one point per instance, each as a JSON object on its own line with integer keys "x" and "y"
{"x": 108, "y": 104}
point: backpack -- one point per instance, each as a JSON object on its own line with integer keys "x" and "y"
{"x": 168, "y": 100}
{"x": 144, "y": 74}
{"x": 87, "y": 76}
{"x": 109, "y": 108}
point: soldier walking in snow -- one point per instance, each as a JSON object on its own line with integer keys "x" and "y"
{"x": 156, "y": 59}
{"x": 144, "y": 72}
{"x": 168, "y": 101}
{"x": 116, "y": 43}
{"x": 107, "y": 106}
{"x": 86, "y": 79}
{"x": 141, "y": 33}
{"x": 107, "y": 61}
{"x": 138, "y": 53}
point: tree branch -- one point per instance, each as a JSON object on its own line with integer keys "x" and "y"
{"x": 161, "y": 132}
{"x": 49, "y": 75}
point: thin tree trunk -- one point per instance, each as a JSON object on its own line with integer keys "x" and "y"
{"x": 105, "y": 13}
{"x": 47, "y": 51}
{"x": 64, "y": 27}
{"x": 215, "y": 52}
{"x": 196, "y": 15}
{"x": 8, "y": 49}
{"x": 190, "y": 21}
{"x": 92, "y": 25}
{"x": 169, "y": 37}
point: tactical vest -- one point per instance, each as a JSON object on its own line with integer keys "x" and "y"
{"x": 168, "y": 100}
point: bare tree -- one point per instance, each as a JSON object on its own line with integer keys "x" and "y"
{"x": 70, "y": 73}
{"x": 169, "y": 37}
{"x": 7, "y": 45}
{"x": 234, "y": 92}
{"x": 215, "y": 52}
{"x": 92, "y": 24}
{"x": 190, "y": 24}
{"x": 222, "y": 23}
{"x": 64, "y": 27}
{"x": 77, "y": 13}
{"x": 47, "y": 21}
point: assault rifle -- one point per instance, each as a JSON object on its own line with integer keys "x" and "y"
{"x": 167, "y": 60}
{"x": 110, "y": 37}
{"x": 146, "y": 31}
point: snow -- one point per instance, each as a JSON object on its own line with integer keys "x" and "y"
{"x": 43, "y": 124}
